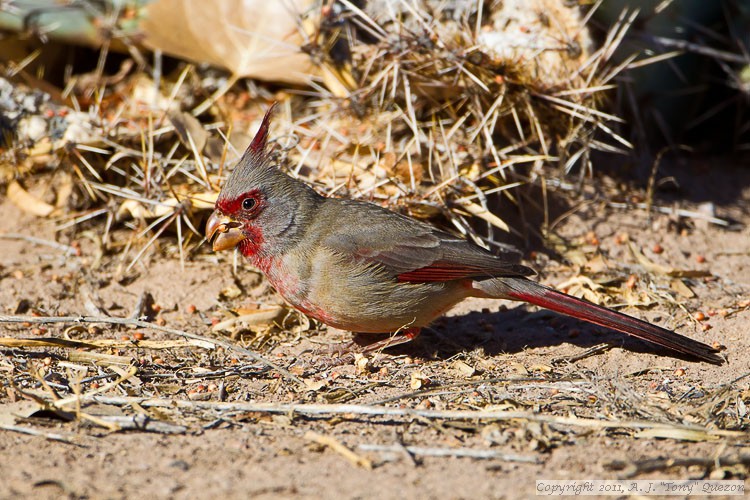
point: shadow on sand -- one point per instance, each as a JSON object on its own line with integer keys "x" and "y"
{"x": 514, "y": 330}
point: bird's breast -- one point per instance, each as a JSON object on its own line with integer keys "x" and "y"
{"x": 355, "y": 295}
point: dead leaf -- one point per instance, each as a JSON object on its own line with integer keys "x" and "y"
{"x": 486, "y": 215}
{"x": 27, "y": 202}
{"x": 464, "y": 369}
{"x": 362, "y": 363}
{"x": 123, "y": 374}
{"x": 576, "y": 256}
{"x": 681, "y": 288}
{"x": 541, "y": 368}
{"x": 230, "y": 292}
{"x": 596, "y": 264}
{"x": 518, "y": 368}
{"x": 252, "y": 38}
{"x": 137, "y": 210}
{"x": 10, "y": 412}
{"x": 189, "y": 130}
{"x": 259, "y": 317}
{"x": 582, "y": 287}
{"x": 419, "y": 380}
{"x": 315, "y": 385}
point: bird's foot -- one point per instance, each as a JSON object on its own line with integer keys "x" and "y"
{"x": 362, "y": 343}
{"x": 398, "y": 338}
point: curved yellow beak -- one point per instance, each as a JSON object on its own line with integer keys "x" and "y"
{"x": 223, "y": 231}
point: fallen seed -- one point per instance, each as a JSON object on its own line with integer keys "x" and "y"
{"x": 632, "y": 279}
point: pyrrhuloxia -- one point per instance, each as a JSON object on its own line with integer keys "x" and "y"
{"x": 357, "y": 266}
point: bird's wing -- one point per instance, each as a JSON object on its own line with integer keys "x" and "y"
{"x": 416, "y": 252}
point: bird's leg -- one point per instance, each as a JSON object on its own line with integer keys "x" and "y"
{"x": 401, "y": 337}
{"x": 346, "y": 352}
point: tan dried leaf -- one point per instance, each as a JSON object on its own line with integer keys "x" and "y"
{"x": 486, "y": 215}
{"x": 681, "y": 288}
{"x": 253, "y": 38}
{"x": 28, "y": 202}
{"x": 464, "y": 369}
{"x": 419, "y": 380}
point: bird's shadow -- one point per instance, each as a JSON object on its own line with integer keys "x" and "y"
{"x": 515, "y": 330}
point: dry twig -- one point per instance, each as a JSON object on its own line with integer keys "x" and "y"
{"x": 339, "y": 448}
{"x": 144, "y": 324}
{"x": 450, "y": 452}
{"x": 326, "y": 410}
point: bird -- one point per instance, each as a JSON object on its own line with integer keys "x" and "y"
{"x": 358, "y": 266}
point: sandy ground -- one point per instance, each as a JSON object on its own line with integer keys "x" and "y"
{"x": 485, "y": 354}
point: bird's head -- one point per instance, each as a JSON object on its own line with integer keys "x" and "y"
{"x": 260, "y": 209}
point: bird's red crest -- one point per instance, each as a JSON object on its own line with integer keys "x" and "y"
{"x": 258, "y": 146}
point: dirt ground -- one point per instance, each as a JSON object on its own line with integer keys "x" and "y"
{"x": 485, "y": 354}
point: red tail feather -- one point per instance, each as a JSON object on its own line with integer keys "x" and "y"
{"x": 565, "y": 304}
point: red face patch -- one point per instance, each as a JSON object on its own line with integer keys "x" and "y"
{"x": 244, "y": 209}
{"x": 243, "y": 206}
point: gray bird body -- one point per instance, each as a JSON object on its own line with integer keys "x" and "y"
{"x": 346, "y": 268}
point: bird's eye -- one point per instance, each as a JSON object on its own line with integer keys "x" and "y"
{"x": 248, "y": 203}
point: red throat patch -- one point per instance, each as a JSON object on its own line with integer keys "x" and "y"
{"x": 251, "y": 245}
